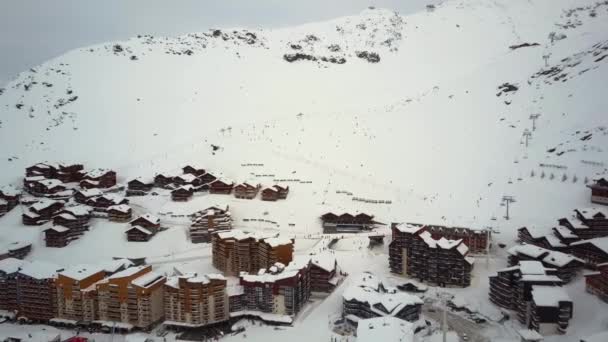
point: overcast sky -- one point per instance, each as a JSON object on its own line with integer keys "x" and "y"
{"x": 33, "y": 31}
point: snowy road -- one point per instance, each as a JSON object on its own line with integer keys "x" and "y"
{"x": 462, "y": 326}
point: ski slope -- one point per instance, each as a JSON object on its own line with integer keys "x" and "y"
{"x": 424, "y": 127}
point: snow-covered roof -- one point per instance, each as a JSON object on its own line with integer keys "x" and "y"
{"x": 43, "y": 204}
{"x": 141, "y": 229}
{"x": 325, "y": 261}
{"x": 389, "y": 329}
{"x": 263, "y": 277}
{"x": 367, "y": 288}
{"x": 537, "y": 233}
{"x": 67, "y": 216}
{"x": 148, "y": 279}
{"x": 441, "y": 243}
{"x": 236, "y": 234}
{"x": 3, "y": 201}
{"x": 278, "y": 241}
{"x": 50, "y": 183}
{"x": 79, "y": 210}
{"x": 410, "y": 228}
{"x": 531, "y": 267}
{"x": 526, "y": 249}
{"x": 58, "y": 229}
{"x": 577, "y": 224}
{"x": 549, "y": 296}
{"x": 97, "y": 173}
{"x": 187, "y": 177}
{"x": 91, "y": 192}
{"x": 9, "y": 190}
{"x": 559, "y": 259}
{"x": 11, "y": 265}
{"x": 123, "y": 208}
{"x": 148, "y": 217}
{"x": 565, "y": 232}
{"x": 588, "y": 213}
{"x": 40, "y": 269}
{"x": 601, "y": 243}
{"x": 114, "y": 198}
{"x": 530, "y": 335}
{"x": 554, "y": 241}
{"x": 114, "y": 265}
{"x": 80, "y": 272}
{"x": 235, "y": 290}
{"x": 127, "y": 272}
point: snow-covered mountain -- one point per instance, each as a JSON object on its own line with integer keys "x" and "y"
{"x": 427, "y": 111}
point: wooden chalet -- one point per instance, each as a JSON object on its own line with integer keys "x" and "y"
{"x": 120, "y": 213}
{"x": 3, "y": 207}
{"x": 11, "y": 196}
{"x": 43, "y": 187}
{"x": 219, "y": 186}
{"x": 146, "y": 221}
{"x": 593, "y": 251}
{"x": 270, "y": 194}
{"x": 347, "y": 223}
{"x": 139, "y": 187}
{"x": 566, "y": 266}
{"x": 283, "y": 191}
{"x": 41, "y": 212}
{"x": 85, "y": 196}
{"x": 246, "y": 191}
{"x": 162, "y": 180}
{"x": 188, "y": 169}
{"x": 41, "y": 169}
{"x": 57, "y": 236}
{"x": 98, "y": 178}
{"x": 207, "y": 178}
{"x": 76, "y": 224}
{"x": 275, "y": 192}
{"x": 599, "y": 190}
{"x": 187, "y": 179}
{"x": 597, "y": 282}
{"x": 323, "y": 268}
{"x": 588, "y": 223}
{"x": 140, "y": 234}
{"x": 183, "y": 193}
{"x": 16, "y": 250}
{"x": 70, "y": 173}
{"x": 101, "y": 203}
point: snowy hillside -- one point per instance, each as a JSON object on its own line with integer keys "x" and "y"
{"x": 427, "y": 111}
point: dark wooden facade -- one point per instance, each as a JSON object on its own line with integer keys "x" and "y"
{"x": 220, "y": 187}
{"x": 99, "y": 179}
{"x": 11, "y": 196}
{"x": 246, "y": 191}
{"x": 597, "y": 282}
{"x": 139, "y": 187}
{"x": 347, "y": 223}
{"x": 323, "y": 273}
{"x": 162, "y": 180}
{"x": 120, "y": 213}
{"x": 599, "y": 191}
{"x": 57, "y": 236}
{"x": 140, "y": 234}
{"x": 182, "y": 194}
{"x": 41, "y": 169}
{"x": 593, "y": 251}
{"x": 188, "y": 169}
